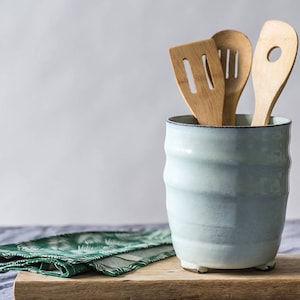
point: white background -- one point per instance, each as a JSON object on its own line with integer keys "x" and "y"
{"x": 85, "y": 89}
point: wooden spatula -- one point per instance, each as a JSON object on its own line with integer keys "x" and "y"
{"x": 269, "y": 77}
{"x": 235, "y": 52}
{"x": 200, "y": 79}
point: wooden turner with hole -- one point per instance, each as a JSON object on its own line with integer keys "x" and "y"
{"x": 270, "y": 76}
{"x": 235, "y": 52}
{"x": 199, "y": 75}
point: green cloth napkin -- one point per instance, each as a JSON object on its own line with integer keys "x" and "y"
{"x": 66, "y": 255}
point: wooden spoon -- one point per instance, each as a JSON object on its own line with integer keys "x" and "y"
{"x": 235, "y": 51}
{"x": 269, "y": 77}
{"x": 200, "y": 79}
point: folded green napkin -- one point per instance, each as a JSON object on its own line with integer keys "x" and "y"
{"x": 66, "y": 255}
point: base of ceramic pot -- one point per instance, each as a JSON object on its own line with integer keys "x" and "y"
{"x": 267, "y": 267}
{"x": 202, "y": 269}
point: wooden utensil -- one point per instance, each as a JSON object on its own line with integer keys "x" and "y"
{"x": 235, "y": 52}
{"x": 200, "y": 79}
{"x": 269, "y": 77}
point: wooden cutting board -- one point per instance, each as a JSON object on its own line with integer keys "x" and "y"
{"x": 167, "y": 280}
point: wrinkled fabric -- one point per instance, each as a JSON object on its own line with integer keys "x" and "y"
{"x": 66, "y": 255}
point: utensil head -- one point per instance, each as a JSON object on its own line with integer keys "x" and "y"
{"x": 200, "y": 79}
{"x": 270, "y": 76}
{"x": 235, "y": 52}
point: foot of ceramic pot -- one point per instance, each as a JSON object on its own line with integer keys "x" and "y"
{"x": 193, "y": 268}
{"x": 202, "y": 270}
{"x": 267, "y": 267}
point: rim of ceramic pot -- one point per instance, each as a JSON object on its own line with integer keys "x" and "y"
{"x": 242, "y": 121}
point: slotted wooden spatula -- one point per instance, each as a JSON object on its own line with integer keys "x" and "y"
{"x": 269, "y": 77}
{"x": 199, "y": 75}
{"x": 235, "y": 52}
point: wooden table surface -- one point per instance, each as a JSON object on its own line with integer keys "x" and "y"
{"x": 167, "y": 280}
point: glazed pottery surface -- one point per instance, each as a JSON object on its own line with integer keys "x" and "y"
{"x": 226, "y": 191}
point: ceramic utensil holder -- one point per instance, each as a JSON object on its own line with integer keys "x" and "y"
{"x": 226, "y": 191}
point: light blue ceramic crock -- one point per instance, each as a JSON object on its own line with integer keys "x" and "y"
{"x": 226, "y": 191}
